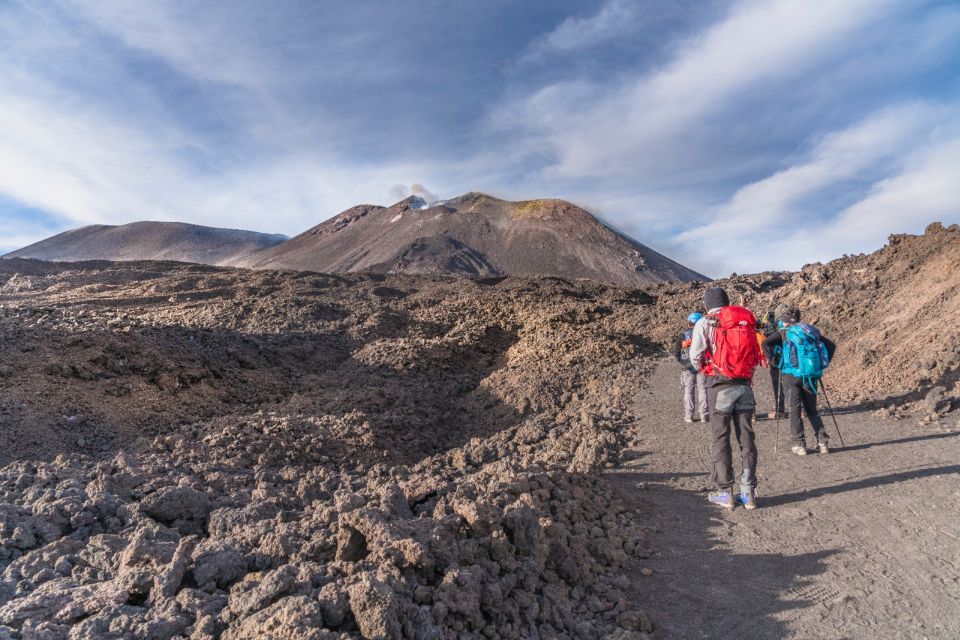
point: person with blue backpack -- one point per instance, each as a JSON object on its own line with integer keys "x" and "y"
{"x": 691, "y": 380}
{"x": 803, "y": 355}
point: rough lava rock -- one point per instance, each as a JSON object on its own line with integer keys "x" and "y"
{"x": 301, "y": 455}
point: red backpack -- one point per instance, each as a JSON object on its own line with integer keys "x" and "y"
{"x": 736, "y": 352}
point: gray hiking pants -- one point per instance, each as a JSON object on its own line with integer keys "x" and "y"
{"x": 799, "y": 396}
{"x": 733, "y": 406}
{"x": 689, "y": 380}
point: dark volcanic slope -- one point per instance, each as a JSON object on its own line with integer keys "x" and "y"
{"x": 473, "y": 235}
{"x": 150, "y": 241}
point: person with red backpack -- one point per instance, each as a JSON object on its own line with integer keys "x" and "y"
{"x": 802, "y": 355}
{"x": 725, "y": 348}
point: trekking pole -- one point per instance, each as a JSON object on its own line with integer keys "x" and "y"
{"x": 776, "y": 410}
{"x": 837, "y": 425}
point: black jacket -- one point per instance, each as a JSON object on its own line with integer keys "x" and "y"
{"x": 769, "y": 328}
{"x": 775, "y": 340}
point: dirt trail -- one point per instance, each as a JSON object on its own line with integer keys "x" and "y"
{"x": 861, "y": 543}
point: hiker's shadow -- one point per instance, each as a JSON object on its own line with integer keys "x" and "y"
{"x": 707, "y": 582}
{"x": 855, "y": 484}
{"x": 916, "y": 438}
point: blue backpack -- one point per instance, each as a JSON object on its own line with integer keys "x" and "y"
{"x": 685, "y": 347}
{"x": 804, "y": 355}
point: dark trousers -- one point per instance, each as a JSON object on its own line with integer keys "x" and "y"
{"x": 733, "y": 407}
{"x": 779, "y": 398}
{"x": 799, "y": 396}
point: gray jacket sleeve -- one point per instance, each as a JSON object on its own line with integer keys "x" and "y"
{"x": 701, "y": 343}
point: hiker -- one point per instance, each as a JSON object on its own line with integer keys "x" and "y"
{"x": 725, "y": 348}
{"x": 692, "y": 381}
{"x": 761, "y": 336}
{"x": 802, "y": 354}
{"x": 770, "y": 327}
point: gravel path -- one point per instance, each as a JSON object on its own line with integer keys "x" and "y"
{"x": 861, "y": 543}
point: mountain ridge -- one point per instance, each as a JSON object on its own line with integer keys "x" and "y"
{"x": 471, "y": 235}
{"x": 149, "y": 240}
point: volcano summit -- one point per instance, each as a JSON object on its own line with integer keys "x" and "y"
{"x": 473, "y": 235}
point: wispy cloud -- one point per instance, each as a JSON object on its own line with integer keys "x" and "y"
{"x": 891, "y": 171}
{"x": 782, "y": 112}
{"x": 654, "y": 120}
{"x": 615, "y": 18}
{"x": 925, "y": 190}
{"x": 92, "y": 168}
{"x": 869, "y": 146}
{"x": 95, "y": 153}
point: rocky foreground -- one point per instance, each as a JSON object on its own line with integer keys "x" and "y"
{"x": 198, "y": 452}
{"x": 391, "y": 457}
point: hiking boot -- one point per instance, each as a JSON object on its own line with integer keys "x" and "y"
{"x": 688, "y": 418}
{"x": 823, "y": 447}
{"x": 748, "y": 498}
{"x": 798, "y": 449}
{"x": 722, "y": 499}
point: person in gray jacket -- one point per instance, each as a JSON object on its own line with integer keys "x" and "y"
{"x": 733, "y": 406}
{"x": 692, "y": 381}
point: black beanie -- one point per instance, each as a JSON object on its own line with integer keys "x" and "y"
{"x": 715, "y": 297}
{"x": 790, "y": 315}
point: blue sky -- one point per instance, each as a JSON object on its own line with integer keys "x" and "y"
{"x": 733, "y": 136}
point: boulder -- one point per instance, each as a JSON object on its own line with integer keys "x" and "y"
{"x": 290, "y": 618}
{"x": 183, "y": 508}
{"x": 217, "y": 565}
{"x": 936, "y": 400}
{"x": 376, "y": 608}
{"x": 258, "y": 591}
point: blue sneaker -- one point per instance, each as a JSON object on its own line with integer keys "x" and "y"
{"x": 747, "y": 498}
{"x": 722, "y": 499}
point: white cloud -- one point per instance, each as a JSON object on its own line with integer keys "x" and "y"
{"x": 613, "y": 19}
{"x": 721, "y": 152}
{"x": 269, "y": 49}
{"x": 93, "y": 169}
{"x": 837, "y": 158}
{"x": 125, "y": 155}
{"x": 203, "y": 49}
{"x": 928, "y": 189}
{"x": 922, "y": 188}
{"x": 602, "y": 130}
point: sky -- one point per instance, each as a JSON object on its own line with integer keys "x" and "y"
{"x": 734, "y": 136}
